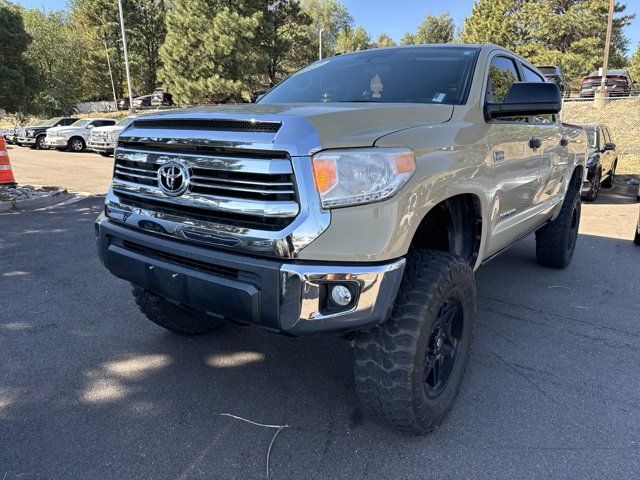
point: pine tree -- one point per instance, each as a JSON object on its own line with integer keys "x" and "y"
{"x": 208, "y": 49}
{"x": 433, "y": 29}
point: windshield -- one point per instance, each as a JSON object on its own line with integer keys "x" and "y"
{"x": 592, "y": 138}
{"x": 548, "y": 70}
{"x": 391, "y": 75}
{"x": 125, "y": 121}
{"x": 80, "y": 123}
{"x": 52, "y": 122}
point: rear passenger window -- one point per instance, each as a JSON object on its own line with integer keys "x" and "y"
{"x": 502, "y": 74}
{"x": 531, "y": 76}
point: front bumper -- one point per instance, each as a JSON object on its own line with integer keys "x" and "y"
{"x": 26, "y": 140}
{"x": 106, "y": 147}
{"x": 56, "y": 142}
{"x": 278, "y": 296}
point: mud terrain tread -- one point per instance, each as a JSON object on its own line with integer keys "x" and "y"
{"x": 387, "y": 357}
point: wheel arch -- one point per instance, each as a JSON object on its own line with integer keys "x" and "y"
{"x": 454, "y": 225}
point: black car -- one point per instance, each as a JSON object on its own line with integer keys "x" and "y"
{"x": 34, "y": 135}
{"x": 603, "y": 159}
{"x": 618, "y": 83}
{"x": 554, "y": 74}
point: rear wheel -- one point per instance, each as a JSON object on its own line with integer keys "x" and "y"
{"x": 40, "y": 145}
{"x": 556, "y": 241}
{"x": 409, "y": 369}
{"x": 172, "y": 317}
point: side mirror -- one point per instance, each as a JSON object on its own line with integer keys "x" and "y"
{"x": 526, "y": 99}
{"x": 608, "y": 146}
{"x": 89, "y": 127}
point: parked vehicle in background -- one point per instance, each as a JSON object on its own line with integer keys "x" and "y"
{"x": 21, "y": 132}
{"x": 75, "y": 136}
{"x": 617, "y": 84}
{"x": 602, "y": 161}
{"x": 143, "y": 101}
{"x": 35, "y": 135}
{"x": 11, "y": 135}
{"x": 356, "y": 198}
{"x": 103, "y": 139}
{"x": 554, "y": 74}
{"x": 161, "y": 98}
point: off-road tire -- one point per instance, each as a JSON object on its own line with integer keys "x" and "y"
{"x": 390, "y": 359}
{"x": 609, "y": 181}
{"x": 172, "y": 317}
{"x": 592, "y": 194}
{"x": 556, "y": 241}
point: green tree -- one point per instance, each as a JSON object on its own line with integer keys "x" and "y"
{"x": 384, "y": 40}
{"x": 634, "y": 67}
{"x": 567, "y": 33}
{"x": 352, "y": 40}
{"x": 145, "y": 40}
{"x": 18, "y": 79}
{"x": 282, "y": 38}
{"x": 433, "y": 29}
{"x": 206, "y": 50}
{"x": 57, "y": 52}
{"x": 332, "y": 17}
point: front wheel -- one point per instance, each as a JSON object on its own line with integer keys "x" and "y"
{"x": 556, "y": 241}
{"x": 76, "y": 145}
{"x": 40, "y": 145}
{"x": 172, "y": 317}
{"x": 409, "y": 369}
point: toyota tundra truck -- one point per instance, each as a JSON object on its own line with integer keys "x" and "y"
{"x": 356, "y": 198}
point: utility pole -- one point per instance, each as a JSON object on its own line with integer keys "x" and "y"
{"x": 113, "y": 85}
{"x": 320, "y": 42}
{"x": 602, "y": 91}
{"x": 126, "y": 57}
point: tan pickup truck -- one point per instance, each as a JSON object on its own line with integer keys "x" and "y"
{"x": 356, "y": 198}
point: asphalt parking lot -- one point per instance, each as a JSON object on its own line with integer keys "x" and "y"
{"x": 90, "y": 389}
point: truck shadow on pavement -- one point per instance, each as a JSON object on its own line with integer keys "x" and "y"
{"x": 91, "y": 389}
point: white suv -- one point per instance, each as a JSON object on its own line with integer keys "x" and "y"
{"x": 75, "y": 136}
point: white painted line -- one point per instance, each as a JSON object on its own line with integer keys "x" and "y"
{"x": 61, "y": 204}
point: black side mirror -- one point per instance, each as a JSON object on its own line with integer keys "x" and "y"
{"x": 526, "y": 99}
{"x": 608, "y": 146}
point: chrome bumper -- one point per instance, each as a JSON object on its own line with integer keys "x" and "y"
{"x": 285, "y": 297}
{"x": 26, "y": 140}
{"x": 101, "y": 146}
{"x": 55, "y": 142}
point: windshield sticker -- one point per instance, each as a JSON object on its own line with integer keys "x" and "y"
{"x": 438, "y": 97}
{"x": 376, "y": 87}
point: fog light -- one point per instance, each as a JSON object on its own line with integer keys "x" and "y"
{"x": 341, "y": 295}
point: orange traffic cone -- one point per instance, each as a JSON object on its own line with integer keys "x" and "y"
{"x": 6, "y": 174}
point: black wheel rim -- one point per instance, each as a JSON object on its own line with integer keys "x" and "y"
{"x": 443, "y": 347}
{"x": 595, "y": 187}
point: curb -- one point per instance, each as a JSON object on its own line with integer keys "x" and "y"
{"x": 55, "y": 195}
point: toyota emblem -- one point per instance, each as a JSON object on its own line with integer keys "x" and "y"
{"x": 173, "y": 178}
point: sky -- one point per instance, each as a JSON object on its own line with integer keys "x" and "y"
{"x": 395, "y": 17}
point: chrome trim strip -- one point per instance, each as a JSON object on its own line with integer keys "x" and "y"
{"x": 239, "y": 189}
{"x": 275, "y": 166}
{"x": 265, "y": 208}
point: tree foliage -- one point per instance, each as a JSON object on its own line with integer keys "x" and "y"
{"x": 433, "y": 29}
{"x": 384, "y": 40}
{"x": 18, "y": 79}
{"x": 332, "y": 17}
{"x": 58, "y": 54}
{"x": 352, "y": 40}
{"x": 634, "y": 66}
{"x": 567, "y": 33}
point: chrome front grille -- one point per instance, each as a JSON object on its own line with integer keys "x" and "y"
{"x": 249, "y": 191}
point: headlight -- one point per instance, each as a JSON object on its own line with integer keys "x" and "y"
{"x": 363, "y": 175}
{"x": 29, "y": 133}
{"x": 114, "y": 135}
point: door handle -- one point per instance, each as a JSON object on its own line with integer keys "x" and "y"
{"x": 564, "y": 142}
{"x": 535, "y": 143}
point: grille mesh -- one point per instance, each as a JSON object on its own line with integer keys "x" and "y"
{"x": 213, "y": 124}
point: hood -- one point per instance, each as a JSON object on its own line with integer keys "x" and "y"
{"x": 108, "y": 129}
{"x": 63, "y": 129}
{"x": 303, "y": 126}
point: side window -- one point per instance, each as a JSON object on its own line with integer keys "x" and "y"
{"x": 531, "y": 76}
{"x": 502, "y": 74}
